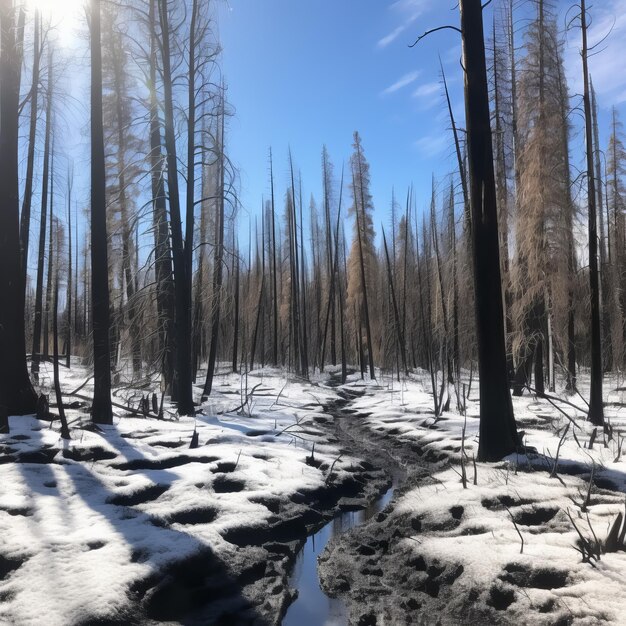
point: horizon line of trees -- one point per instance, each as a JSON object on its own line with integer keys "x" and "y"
{"x": 161, "y": 285}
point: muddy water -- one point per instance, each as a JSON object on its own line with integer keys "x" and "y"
{"x": 313, "y": 607}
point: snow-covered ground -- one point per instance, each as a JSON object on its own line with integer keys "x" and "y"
{"x": 128, "y": 523}
{"x": 469, "y": 540}
{"x": 90, "y": 526}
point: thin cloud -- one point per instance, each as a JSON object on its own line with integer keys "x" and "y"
{"x": 432, "y": 144}
{"x": 411, "y": 7}
{"x": 408, "y": 11}
{"x": 427, "y": 90}
{"x": 391, "y": 37}
{"x": 405, "y": 81}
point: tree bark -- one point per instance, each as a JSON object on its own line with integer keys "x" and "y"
{"x": 43, "y": 220}
{"x": 17, "y": 396}
{"x": 498, "y": 434}
{"x": 101, "y": 410}
{"x": 218, "y": 265}
{"x": 596, "y": 407}
{"x": 32, "y": 138}
{"x": 182, "y": 318}
{"x": 162, "y": 243}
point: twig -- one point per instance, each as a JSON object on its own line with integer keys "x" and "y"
{"x": 242, "y": 405}
{"x": 521, "y": 551}
{"x": 434, "y": 30}
{"x": 330, "y": 471}
{"x": 558, "y": 450}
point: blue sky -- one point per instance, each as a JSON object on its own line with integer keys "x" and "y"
{"x": 308, "y": 72}
{"x": 302, "y": 74}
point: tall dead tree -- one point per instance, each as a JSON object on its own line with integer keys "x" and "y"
{"x": 101, "y": 410}
{"x": 32, "y": 135}
{"x": 43, "y": 220}
{"x": 218, "y": 260}
{"x": 498, "y": 433}
{"x": 68, "y": 298}
{"x": 274, "y": 270}
{"x": 596, "y": 406}
{"x": 182, "y": 388}
{"x": 17, "y": 396}
{"x": 162, "y": 243}
{"x": 361, "y": 253}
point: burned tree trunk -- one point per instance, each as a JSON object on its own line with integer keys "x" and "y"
{"x": 37, "y": 322}
{"x": 101, "y": 410}
{"x": 218, "y": 263}
{"x": 17, "y": 396}
{"x": 30, "y": 159}
{"x": 596, "y": 407}
{"x": 182, "y": 386}
{"x": 163, "y": 250}
{"x": 498, "y": 434}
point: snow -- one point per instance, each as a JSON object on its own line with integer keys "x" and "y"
{"x": 79, "y": 535}
{"x": 474, "y": 527}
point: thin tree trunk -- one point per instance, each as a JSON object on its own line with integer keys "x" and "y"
{"x": 236, "y": 310}
{"x": 68, "y": 336}
{"x": 218, "y": 263}
{"x": 366, "y": 311}
{"x": 274, "y": 271}
{"x": 48, "y": 300}
{"x": 101, "y": 410}
{"x": 182, "y": 378}
{"x": 30, "y": 159}
{"x": 596, "y": 407}
{"x": 65, "y": 431}
{"x": 43, "y": 220}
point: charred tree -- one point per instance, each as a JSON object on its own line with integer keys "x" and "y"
{"x": 101, "y": 410}
{"x": 596, "y": 406}
{"x": 498, "y": 433}
{"x": 17, "y": 396}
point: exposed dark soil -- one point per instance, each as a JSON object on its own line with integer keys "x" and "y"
{"x": 382, "y": 583}
{"x": 253, "y": 587}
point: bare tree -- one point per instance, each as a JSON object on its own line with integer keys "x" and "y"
{"x": 17, "y": 396}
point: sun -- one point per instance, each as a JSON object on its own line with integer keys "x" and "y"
{"x": 58, "y": 9}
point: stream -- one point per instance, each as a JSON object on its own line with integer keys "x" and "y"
{"x": 313, "y": 607}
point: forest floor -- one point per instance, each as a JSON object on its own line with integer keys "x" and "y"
{"x": 131, "y": 523}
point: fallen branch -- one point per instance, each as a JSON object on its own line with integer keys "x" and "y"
{"x": 243, "y": 404}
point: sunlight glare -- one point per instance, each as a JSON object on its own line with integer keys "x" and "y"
{"x": 57, "y": 9}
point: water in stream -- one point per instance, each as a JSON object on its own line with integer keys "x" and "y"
{"x": 313, "y": 607}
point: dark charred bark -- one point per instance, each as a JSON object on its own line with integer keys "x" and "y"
{"x": 101, "y": 410}
{"x": 43, "y": 220}
{"x": 162, "y": 244}
{"x": 30, "y": 159}
{"x": 596, "y": 407}
{"x": 498, "y": 433}
{"x": 17, "y": 396}
{"x": 182, "y": 386}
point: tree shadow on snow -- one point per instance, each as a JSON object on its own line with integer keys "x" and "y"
{"x": 188, "y": 582}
